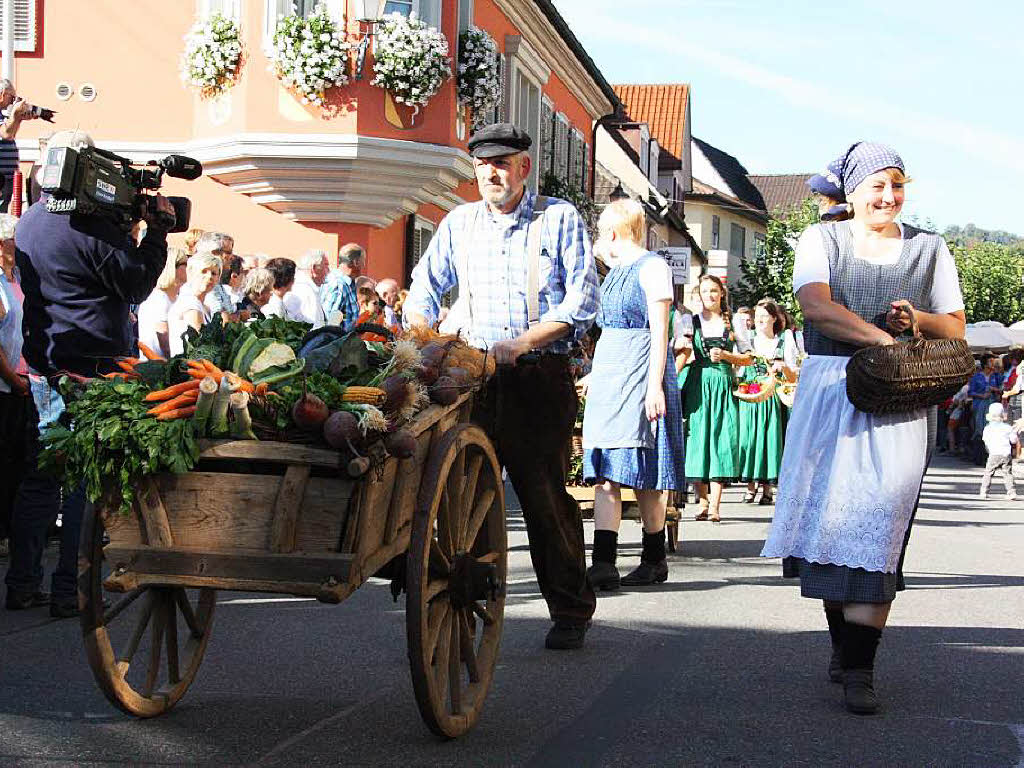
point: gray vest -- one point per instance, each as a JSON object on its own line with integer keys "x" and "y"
{"x": 867, "y": 289}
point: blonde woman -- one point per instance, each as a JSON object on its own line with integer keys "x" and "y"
{"x": 153, "y": 312}
{"x": 192, "y": 238}
{"x": 189, "y": 311}
{"x": 850, "y": 481}
{"x": 632, "y": 426}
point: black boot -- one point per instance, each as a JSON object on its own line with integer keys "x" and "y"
{"x": 834, "y": 617}
{"x": 653, "y": 568}
{"x": 603, "y": 574}
{"x": 860, "y": 643}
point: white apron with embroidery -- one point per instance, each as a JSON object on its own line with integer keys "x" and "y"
{"x": 849, "y": 480}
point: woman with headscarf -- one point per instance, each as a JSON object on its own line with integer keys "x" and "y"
{"x": 850, "y": 481}
{"x": 709, "y": 408}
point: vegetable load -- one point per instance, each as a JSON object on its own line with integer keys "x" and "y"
{"x": 268, "y": 379}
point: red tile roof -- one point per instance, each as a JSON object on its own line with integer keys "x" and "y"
{"x": 663, "y": 108}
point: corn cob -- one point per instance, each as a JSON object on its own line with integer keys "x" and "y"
{"x": 366, "y": 395}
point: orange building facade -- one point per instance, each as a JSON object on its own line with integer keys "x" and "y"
{"x": 280, "y": 176}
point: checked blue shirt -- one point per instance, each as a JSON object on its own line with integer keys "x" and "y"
{"x": 497, "y": 271}
{"x": 338, "y": 294}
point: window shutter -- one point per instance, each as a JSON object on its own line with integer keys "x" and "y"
{"x": 546, "y": 137}
{"x": 562, "y": 147}
{"x": 570, "y": 171}
{"x": 585, "y": 185}
{"x": 579, "y": 173}
{"x": 24, "y": 24}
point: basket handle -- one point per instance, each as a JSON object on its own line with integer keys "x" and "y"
{"x": 906, "y": 306}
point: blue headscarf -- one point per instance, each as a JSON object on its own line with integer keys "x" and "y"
{"x": 843, "y": 174}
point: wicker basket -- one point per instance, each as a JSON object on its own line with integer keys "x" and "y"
{"x": 910, "y": 374}
{"x": 786, "y": 393}
{"x": 767, "y": 389}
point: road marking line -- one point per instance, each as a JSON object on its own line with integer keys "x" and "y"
{"x": 319, "y": 725}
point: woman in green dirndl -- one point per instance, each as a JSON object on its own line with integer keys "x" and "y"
{"x": 709, "y": 408}
{"x": 763, "y": 424}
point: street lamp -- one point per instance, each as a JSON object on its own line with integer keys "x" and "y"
{"x": 618, "y": 193}
{"x": 367, "y": 12}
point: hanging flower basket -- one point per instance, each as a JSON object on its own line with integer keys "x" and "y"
{"x": 310, "y": 55}
{"x": 212, "y": 61}
{"x": 410, "y": 60}
{"x": 479, "y": 72}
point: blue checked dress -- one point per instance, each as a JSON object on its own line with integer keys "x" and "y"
{"x": 619, "y": 443}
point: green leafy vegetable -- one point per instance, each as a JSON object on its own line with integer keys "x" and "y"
{"x": 113, "y": 444}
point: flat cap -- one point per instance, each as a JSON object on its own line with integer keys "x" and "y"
{"x": 499, "y": 139}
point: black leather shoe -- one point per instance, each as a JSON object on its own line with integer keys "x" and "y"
{"x": 64, "y": 609}
{"x": 646, "y": 574}
{"x": 566, "y": 637}
{"x": 21, "y": 601}
{"x": 859, "y": 691}
{"x": 835, "y": 666}
{"x": 603, "y": 576}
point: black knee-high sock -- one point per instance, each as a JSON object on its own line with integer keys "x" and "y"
{"x": 605, "y": 547}
{"x": 654, "y": 547}
{"x": 860, "y": 643}
{"x": 834, "y": 617}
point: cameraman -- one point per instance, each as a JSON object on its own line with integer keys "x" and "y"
{"x": 79, "y": 276}
{"x": 13, "y": 111}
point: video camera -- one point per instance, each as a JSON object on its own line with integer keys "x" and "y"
{"x": 94, "y": 181}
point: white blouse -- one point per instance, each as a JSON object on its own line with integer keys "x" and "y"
{"x": 176, "y": 324}
{"x": 765, "y": 347}
{"x": 713, "y": 328}
{"x": 811, "y": 266}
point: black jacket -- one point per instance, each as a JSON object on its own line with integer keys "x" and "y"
{"x": 79, "y": 275}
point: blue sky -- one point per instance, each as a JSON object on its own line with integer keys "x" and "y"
{"x": 786, "y": 86}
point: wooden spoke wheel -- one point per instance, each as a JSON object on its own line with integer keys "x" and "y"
{"x": 144, "y": 646}
{"x": 456, "y": 580}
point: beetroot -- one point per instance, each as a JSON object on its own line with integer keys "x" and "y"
{"x": 400, "y": 444}
{"x": 428, "y": 374}
{"x": 433, "y": 355}
{"x": 445, "y": 391}
{"x": 341, "y": 430}
{"x": 310, "y": 412}
{"x": 397, "y": 393}
{"x": 460, "y": 376}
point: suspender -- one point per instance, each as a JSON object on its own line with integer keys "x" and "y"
{"x": 534, "y": 233}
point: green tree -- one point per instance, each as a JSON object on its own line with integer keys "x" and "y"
{"x": 992, "y": 280}
{"x": 770, "y": 273}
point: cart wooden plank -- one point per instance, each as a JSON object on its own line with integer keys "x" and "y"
{"x": 287, "y": 506}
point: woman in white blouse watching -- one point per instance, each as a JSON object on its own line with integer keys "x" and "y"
{"x": 189, "y": 311}
{"x": 154, "y": 331}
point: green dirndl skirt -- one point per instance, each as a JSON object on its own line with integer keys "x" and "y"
{"x": 712, "y": 425}
{"x": 762, "y": 437}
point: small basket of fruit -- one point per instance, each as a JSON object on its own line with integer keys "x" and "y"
{"x": 756, "y": 391}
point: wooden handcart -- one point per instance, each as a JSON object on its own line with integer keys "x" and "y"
{"x": 285, "y": 518}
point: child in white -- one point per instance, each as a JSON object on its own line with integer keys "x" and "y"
{"x": 1000, "y": 440}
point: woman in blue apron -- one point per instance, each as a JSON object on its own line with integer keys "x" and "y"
{"x": 632, "y": 431}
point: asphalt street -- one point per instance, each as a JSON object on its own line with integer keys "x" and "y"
{"x": 723, "y": 665}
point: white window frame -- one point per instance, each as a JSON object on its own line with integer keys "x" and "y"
{"x": 273, "y": 8}
{"x": 420, "y": 223}
{"x": 231, "y": 9}
{"x": 466, "y": 15}
{"x": 24, "y": 17}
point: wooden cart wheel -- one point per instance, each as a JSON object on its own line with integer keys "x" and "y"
{"x": 456, "y": 581}
{"x": 178, "y": 621}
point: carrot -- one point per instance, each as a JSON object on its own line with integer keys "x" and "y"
{"x": 181, "y": 413}
{"x": 167, "y": 394}
{"x": 195, "y": 364}
{"x": 180, "y": 401}
{"x": 148, "y": 353}
{"x": 261, "y": 389}
{"x": 213, "y": 369}
{"x": 125, "y": 366}
{"x": 118, "y": 375}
